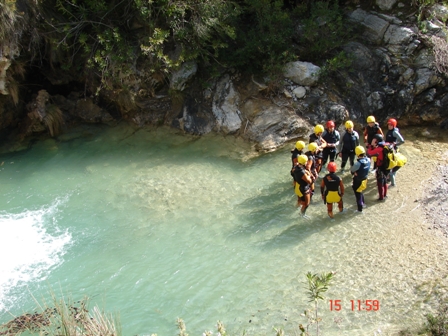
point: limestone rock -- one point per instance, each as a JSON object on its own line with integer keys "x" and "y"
{"x": 180, "y": 78}
{"x": 363, "y": 58}
{"x": 302, "y": 73}
{"x": 424, "y": 59}
{"x": 272, "y": 126}
{"x": 225, "y": 106}
{"x": 89, "y": 112}
{"x": 195, "y": 120}
{"x": 375, "y": 27}
{"x": 375, "y": 100}
{"x": 440, "y": 12}
{"x": 385, "y": 4}
{"x": 299, "y": 92}
{"x": 426, "y": 78}
{"x": 398, "y": 35}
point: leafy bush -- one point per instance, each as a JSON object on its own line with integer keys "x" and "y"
{"x": 263, "y": 39}
{"x": 105, "y": 43}
{"x": 200, "y": 28}
{"x": 88, "y": 38}
{"x": 337, "y": 63}
{"x": 104, "y": 39}
{"x": 323, "y": 30}
{"x": 317, "y": 285}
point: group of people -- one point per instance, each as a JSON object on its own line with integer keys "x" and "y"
{"x": 325, "y": 144}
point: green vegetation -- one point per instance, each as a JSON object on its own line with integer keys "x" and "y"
{"x": 324, "y": 30}
{"x": 105, "y": 44}
{"x": 263, "y": 39}
{"x": 437, "y": 324}
{"x": 105, "y": 39}
{"x": 316, "y": 286}
{"x": 340, "y": 62}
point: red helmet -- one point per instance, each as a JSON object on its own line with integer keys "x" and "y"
{"x": 392, "y": 122}
{"x": 332, "y": 167}
{"x": 330, "y": 123}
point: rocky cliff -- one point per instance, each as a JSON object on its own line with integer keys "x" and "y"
{"x": 397, "y": 69}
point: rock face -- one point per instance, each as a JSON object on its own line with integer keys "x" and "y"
{"x": 386, "y": 4}
{"x": 302, "y": 73}
{"x": 375, "y": 27}
{"x": 270, "y": 125}
{"x": 180, "y": 78}
{"x": 225, "y": 106}
{"x": 4, "y": 65}
{"x": 396, "y": 71}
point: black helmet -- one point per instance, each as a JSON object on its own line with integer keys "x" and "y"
{"x": 378, "y": 137}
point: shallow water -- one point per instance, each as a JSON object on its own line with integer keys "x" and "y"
{"x": 157, "y": 225}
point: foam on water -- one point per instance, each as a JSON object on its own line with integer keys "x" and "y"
{"x": 28, "y": 249}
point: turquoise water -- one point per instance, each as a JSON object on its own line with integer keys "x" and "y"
{"x": 157, "y": 225}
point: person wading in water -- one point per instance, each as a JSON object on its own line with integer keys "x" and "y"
{"x": 332, "y": 189}
{"x": 303, "y": 181}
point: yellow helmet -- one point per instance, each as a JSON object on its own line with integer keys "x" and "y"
{"x": 302, "y": 159}
{"x": 300, "y": 145}
{"x": 312, "y": 146}
{"x": 370, "y": 119}
{"x": 318, "y": 129}
{"x": 359, "y": 150}
{"x": 349, "y": 124}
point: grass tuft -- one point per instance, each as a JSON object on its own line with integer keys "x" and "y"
{"x": 64, "y": 318}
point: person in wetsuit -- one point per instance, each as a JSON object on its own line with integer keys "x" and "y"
{"x": 371, "y": 129}
{"x": 311, "y": 164}
{"x": 298, "y": 150}
{"x": 348, "y": 143}
{"x": 376, "y": 149}
{"x": 394, "y": 137}
{"x": 303, "y": 181}
{"x": 321, "y": 144}
{"x": 331, "y": 137}
{"x": 360, "y": 171}
{"x": 332, "y": 189}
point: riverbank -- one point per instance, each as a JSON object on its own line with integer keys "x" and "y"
{"x": 432, "y": 177}
{"x": 419, "y": 208}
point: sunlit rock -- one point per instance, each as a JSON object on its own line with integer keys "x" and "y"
{"x": 386, "y": 4}
{"x": 302, "y": 73}
{"x": 398, "y": 35}
{"x": 225, "y": 106}
{"x": 271, "y": 126}
{"x": 180, "y": 78}
{"x": 375, "y": 27}
{"x": 426, "y": 78}
{"x": 299, "y": 92}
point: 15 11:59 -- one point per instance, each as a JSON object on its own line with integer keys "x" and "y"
{"x": 356, "y": 305}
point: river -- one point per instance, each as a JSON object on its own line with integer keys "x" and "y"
{"x": 155, "y": 225}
